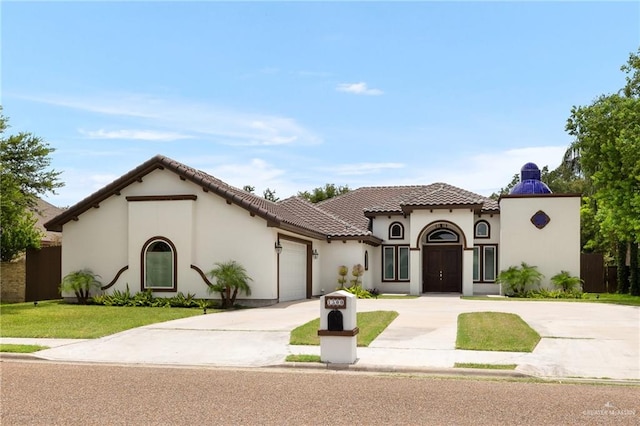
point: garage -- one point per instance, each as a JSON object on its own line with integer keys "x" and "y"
{"x": 292, "y": 278}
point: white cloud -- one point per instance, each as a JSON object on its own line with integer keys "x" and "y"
{"x": 180, "y": 117}
{"x": 358, "y": 89}
{"x": 144, "y": 135}
{"x": 488, "y": 172}
{"x": 256, "y": 172}
{"x": 362, "y": 168}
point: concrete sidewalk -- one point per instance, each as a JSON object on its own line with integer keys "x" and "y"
{"x": 586, "y": 340}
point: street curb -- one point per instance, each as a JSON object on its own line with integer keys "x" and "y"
{"x": 406, "y": 370}
{"x": 20, "y": 356}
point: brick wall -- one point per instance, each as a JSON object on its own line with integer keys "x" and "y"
{"x": 12, "y": 281}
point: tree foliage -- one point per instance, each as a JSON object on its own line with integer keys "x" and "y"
{"x": 329, "y": 190}
{"x": 81, "y": 283}
{"x": 606, "y": 150}
{"x": 24, "y": 174}
{"x": 231, "y": 279}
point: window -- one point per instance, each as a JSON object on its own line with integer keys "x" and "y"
{"x": 476, "y": 263}
{"x": 482, "y": 229}
{"x": 489, "y": 265}
{"x": 159, "y": 265}
{"x": 396, "y": 231}
{"x": 366, "y": 260}
{"x": 442, "y": 236}
{"x": 389, "y": 261}
{"x": 485, "y": 261}
{"x": 395, "y": 261}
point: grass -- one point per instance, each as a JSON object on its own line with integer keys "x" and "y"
{"x": 618, "y": 299}
{"x": 302, "y": 358}
{"x": 371, "y": 324}
{"x": 495, "y": 331}
{"x": 613, "y": 298}
{"x": 21, "y": 349}
{"x": 56, "y": 319}
{"x": 485, "y": 366}
{"x": 396, "y": 296}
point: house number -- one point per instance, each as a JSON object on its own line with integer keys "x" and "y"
{"x": 335, "y": 302}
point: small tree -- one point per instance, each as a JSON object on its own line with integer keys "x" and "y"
{"x": 342, "y": 273}
{"x": 357, "y": 272}
{"x": 516, "y": 279}
{"x": 565, "y": 282}
{"x": 231, "y": 278}
{"x": 24, "y": 175}
{"x": 81, "y": 283}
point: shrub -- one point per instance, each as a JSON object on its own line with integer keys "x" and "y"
{"x": 231, "y": 278}
{"x": 357, "y": 272}
{"x": 342, "y": 273}
{"x": 182, "y": 301}
{"x": 565, "y": 282}
{"x": 359, "y": 292}
{"x": 81, "y": 283}
{"x": 120, "y": 298}
{"x": 516, "y": 279}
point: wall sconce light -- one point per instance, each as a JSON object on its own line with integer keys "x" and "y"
{"x": 314, "y": 253}
{"x": 278, "y": 247}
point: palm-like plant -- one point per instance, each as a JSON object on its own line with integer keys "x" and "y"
{"x": 565, "y": 282}
{"x": 231, "y": 278}
{"x": 80, "y": 283}
{"x": 516, "y": 279}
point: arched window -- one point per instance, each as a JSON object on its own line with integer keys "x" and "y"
{"x": 482, "y": 229}
{"x": 396, "y": 231}
{"x": 443, "y": 236}
{"x": 159, "y": 265}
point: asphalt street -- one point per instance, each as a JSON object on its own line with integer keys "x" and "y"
{"x": 49, "y": 393}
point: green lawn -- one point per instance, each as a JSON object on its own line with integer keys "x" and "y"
{"x": 485, "y": 366}
{"x": 495, "y": 331}
{"x": 57, "y": 319}
{"x": 613, "y": 298}
{"x": 371, "y": 324}
{"x": 303, "y": 358}
{"x": 396, "y": 296}
{"x": 21, "y": 349}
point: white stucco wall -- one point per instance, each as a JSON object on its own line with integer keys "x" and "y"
{"x": 493, "y": 219}
{"x": 335, "y": 254}
{"x": 97, "y": 241}
{"x": 204, "y": 231}
{"x": 552, "y": 249}
{"x": 464, "y": 220}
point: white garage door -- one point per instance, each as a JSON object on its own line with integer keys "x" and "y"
{"x": 293, "y": 271}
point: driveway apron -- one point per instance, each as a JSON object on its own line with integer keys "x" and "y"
{"x": 578, "y": 339}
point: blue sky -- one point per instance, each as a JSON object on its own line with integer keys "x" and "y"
{"x": 293, "y": 95}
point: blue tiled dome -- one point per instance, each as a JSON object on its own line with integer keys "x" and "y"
{"x": 530, "y": 182}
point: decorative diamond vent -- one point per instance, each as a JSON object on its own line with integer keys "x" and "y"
{"x": 540, "y": 219}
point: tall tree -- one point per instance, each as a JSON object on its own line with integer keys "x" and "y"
{"x": 329, "y": 190}
{"x": 24, "y": 175}
{"x": 607, "y": 149}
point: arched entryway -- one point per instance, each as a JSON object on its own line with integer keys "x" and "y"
{"x": 442, "y": 259}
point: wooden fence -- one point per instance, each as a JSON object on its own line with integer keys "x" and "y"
{"x": 44, "y": 273}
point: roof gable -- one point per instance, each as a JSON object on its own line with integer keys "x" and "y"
{"x": 345, "y": 216}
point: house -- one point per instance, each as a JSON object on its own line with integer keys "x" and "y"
{"x": 163, "y": 225}
{"x": 28, "y": 274}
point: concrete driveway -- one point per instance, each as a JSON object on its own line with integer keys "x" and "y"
{"x": 578, "y": 339}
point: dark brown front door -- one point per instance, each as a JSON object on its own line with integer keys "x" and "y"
{"x": 442, "y": 269}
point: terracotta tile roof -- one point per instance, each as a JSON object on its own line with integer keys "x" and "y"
{"x": 436, "y": 195}
{"x": 44, "y": 211}
{"x": 322, "y": 220}
{"x": 342, "y": 216}
{"x": 355, "y": 206}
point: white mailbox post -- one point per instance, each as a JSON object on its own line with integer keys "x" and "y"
{"x": 338, "y": 328}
